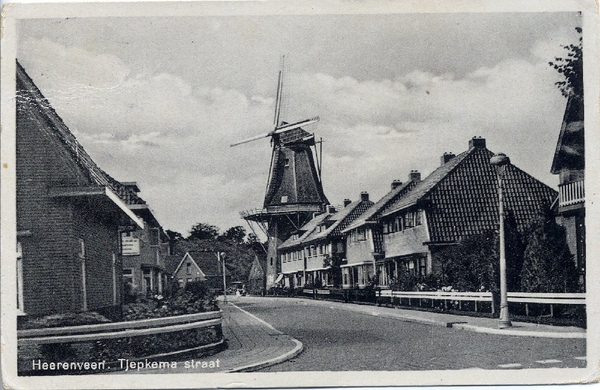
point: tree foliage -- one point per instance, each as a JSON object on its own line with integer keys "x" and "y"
{"x": 548, "y": 264}
{"x": 203, "y": 231}
{"x": 474, "y": 264}
{"x": 235, "y": 234}
{"x": 571, "y": 68}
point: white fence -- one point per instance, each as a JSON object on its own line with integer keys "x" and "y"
{"x": 517, "y": 297}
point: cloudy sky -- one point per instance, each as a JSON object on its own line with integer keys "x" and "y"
{"x": 158, "y": 100}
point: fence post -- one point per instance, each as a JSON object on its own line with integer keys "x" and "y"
{"x": 493, "y": 308}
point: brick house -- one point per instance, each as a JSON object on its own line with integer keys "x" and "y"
{"x": 188, "y": 271}
{"x": 364, "y": 236}
{"x": 198, "y": 265}
{"x": 315, "y": 253}
{"x": 68, "y": 216}
{"x": 144, "y": 250}
{"x": 569, "y": 164}
{"x": 457, "y": 200}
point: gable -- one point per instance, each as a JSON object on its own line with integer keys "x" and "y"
{"x": 465, "y": 202}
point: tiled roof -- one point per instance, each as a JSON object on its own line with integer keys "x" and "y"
{"x": 461, "y": 199}
{"x": 427, "y": 184}
{"x": 307, "y": 230}
{"x": 341, "y": 219}
{"x": 380, "y": 206}
{"x": 29, "y": 94}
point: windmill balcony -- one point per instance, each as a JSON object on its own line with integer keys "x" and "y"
{"x": 571, "y": 193}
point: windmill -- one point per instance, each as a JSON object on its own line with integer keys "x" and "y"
{"x": 294, "y": 190}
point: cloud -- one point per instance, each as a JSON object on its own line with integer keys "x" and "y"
{"x": 173, "y": 136}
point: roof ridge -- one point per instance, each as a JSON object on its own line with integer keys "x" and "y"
{"x": 431, "y": 181}
{"x": 96, "y": 174}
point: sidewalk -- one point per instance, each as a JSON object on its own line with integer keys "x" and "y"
{"x": 475, "y": 324}
{"x": 252, "y": 344}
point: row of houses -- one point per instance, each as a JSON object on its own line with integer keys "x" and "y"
{"x": 82, "y": 236}
{"x": 366, "y": 243}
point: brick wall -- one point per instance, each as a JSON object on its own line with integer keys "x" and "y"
{"x": 51, "y": 267}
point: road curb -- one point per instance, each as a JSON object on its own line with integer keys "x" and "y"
{"x": 522, "y": 333}
{"x": 456, "y": 325}
{"x": 299, "y": 347}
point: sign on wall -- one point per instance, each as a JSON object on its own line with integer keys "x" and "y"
{"x": 130, "y": 244}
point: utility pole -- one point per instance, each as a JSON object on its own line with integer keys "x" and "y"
{"x": 221, "y": 259}
{"x": 500, "y": 160}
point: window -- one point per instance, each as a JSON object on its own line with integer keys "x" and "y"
{"x": 287, "y": 162}
{"x": 81, "y": 248}
{"x": 188, "y": 269}
{"x": 128, "y": 276}
{"x": 423, "y": 266}
{"x": 189, "y": 280}
{"x": 19, "y": 278}
{"x": 180, "y": 280}
{"x": 418, "y": 217}
{"x": 409, "y": 220}
{"x": 284, "y": 199}
{"x": 361, "y": 234}
{"x": 83, "y": 274}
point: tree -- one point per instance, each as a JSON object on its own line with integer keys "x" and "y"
{"x": 174, "y": 237}
{"x": 475, "y": 262}
{"x": 548, "y": 264}
{"x": 235, "y": 234}
{"x": 203, "y": 231}
{"x": 571, "y": 67}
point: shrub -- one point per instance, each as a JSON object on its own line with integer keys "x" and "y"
{"x": 66, "y": 319}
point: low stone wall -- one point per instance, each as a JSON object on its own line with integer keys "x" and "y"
{"x": 117, "y": 346}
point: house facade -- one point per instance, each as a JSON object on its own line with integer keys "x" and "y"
{"x": 188, "y": 271}
{"x": 569, "y": 165}
{"x": 314, "y": 254}
{"x": 457, "y": 200}
{"x": 144, "y": 250}
{"x": 364, "y": 238}
{"x": 69, "y": 216}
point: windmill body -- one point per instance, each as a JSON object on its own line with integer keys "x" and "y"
{"x": 294, "y": 189}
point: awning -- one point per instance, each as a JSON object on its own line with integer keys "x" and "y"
{"x": 356, "y": 264}
{"x": 279, "y": 277}
{"x": 105, "y": 196}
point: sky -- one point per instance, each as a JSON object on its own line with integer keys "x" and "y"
{"x": 158, "y": 100}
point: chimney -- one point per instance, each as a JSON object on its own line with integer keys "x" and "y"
{"x": 477, "y": 142}
{"x": 447, "y": 157}
{"x": 364, "y": 196}
{"x": 347, "y": 202}
{"x": 414, "y": 176}
{"x": 396, "y": 184}
{"x": 131, "y": 185}
{"x": 330, "y": 209}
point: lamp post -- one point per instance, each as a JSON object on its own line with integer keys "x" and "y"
{"x": 500, "y": 160}
{"x": 221, "y": 259}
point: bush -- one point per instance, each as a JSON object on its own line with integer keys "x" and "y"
{"x": 194, "y": 298}
{"x": 66, "y": 319}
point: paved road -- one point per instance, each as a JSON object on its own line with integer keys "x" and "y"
{"x": 338, "y": 339}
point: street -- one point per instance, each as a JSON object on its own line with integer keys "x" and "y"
{"x": 336, "y": 339}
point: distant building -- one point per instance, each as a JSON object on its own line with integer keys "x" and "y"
{"x": 68, "y": 216}
{"x": 257, "y": 277}
{"x": 199, "y": 266}
{"x": 188, "y": 271}
{"x": 144, "y": 249}
{"x": 314, "y": 254}
{"x": 364, "y": 238}
{"x": 569, "y": 164}
{"x": 457, "y": 200}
